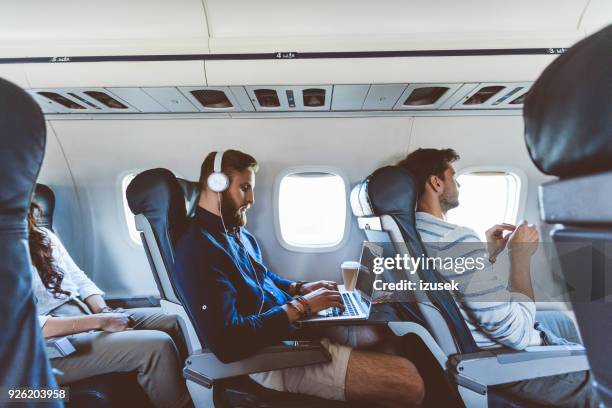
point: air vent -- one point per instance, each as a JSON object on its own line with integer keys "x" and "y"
{"x": 314, "y": 97}
{"x": 495, "y": 96}
{"x": 212, "y": 99}
{"x": 520, "y": 100}
{"x": 267, "y": 98}
{"x": 483, "y": 95}
{"x": 62, "y": 100}
{"x": 290, "y": 98}
{"x": 106, "y": 99}
{"x": 425, "y": 96}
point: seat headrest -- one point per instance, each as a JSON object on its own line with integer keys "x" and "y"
{"x": 191, "y": 191}
{"x": 359, "y": 200}
{"x": 568, "y": 111}
{"x": 43, "y": 195}
{"x": 22, "y": 147}
{"x": 391, "y": 190}
{"x": 157, "y": 195}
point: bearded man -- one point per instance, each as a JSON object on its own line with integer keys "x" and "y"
{"x": 238, "y": 306}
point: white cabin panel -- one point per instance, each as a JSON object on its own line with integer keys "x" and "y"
{"x": 116, "y": 74}
{"x": 40, "y": 28}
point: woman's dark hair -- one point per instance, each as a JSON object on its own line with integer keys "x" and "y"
{"x": 42, "y": 254}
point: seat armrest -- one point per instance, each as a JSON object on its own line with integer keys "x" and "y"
{"x": 499, "y": 366}
{"x": 204, "y": 368}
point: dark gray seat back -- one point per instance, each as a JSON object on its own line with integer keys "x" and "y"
{"x": 568, "y": 131}
{"x": 23, "y": 362}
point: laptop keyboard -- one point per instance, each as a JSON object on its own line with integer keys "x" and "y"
{"x": 349, "y": 307}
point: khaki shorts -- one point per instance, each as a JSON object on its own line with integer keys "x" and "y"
{"x": 325, "y": 380}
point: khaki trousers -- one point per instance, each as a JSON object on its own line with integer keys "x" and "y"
{"x": 149, "y": 349}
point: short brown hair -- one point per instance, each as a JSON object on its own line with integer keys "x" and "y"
{"x": 424, "y": 163}
{"x": 233, "y": 161}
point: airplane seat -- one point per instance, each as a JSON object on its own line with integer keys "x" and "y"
{"x": 568, "y": 132}
{"x": 385, "y": 205}
{"x": 106, "y": 390}
{"x": 23, "y": 361}
{"x": 45, "y": 198}
{"x": 162, "y": 210}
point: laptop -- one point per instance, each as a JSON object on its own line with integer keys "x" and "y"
{"x": 357, "y": 303}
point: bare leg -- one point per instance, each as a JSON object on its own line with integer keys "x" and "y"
{"x": 385, "y": 380}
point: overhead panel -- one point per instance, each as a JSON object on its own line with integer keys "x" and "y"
{"x": 290, "y": 98}
{"x": 495, "y": 96}
{"x": 349, "y": 97}
{"x": 383, "y": 97}
{"x": 425, "y": 96}
{"x": 87, "y": 100}
{"x": 138, "y": 99}
{"x": 242, "y": 97}
{"x": 268, "y": 98}
{"x": 171, "y": 99}
{"x": 211, "y": 99}
{"x": 311, "y": 97}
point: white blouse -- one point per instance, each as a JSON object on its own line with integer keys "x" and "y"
{"x": 75, "y": 281}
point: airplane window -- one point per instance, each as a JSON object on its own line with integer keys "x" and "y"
{"x": 486, "y": 198}
{"x": 425, "y": 96}
{"x": 312, "y": 209}
{"x": 483, "y": 95}
{"x": 314, "y": 97}
{"x": 62, "y": 100}
{"x": 267, "y": 98}
{"x": 210, "y": 98}
{"x": 130, "y": 219}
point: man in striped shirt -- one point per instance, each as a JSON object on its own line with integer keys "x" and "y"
{"x": 497, "y": 312}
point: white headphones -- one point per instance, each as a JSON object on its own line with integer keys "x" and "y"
{"x": 218, "y": 181}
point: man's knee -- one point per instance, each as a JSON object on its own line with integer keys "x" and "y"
{"x": 159, "y": 343}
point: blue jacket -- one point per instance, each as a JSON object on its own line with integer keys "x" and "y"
{"x": 219, "y": 288}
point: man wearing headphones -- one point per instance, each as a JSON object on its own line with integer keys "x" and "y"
{"x": 239, "y": 306}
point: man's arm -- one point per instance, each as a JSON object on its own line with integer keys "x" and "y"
{"x": 507, "y": 317}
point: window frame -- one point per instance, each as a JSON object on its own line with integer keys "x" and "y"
{"x": 522, "y": 176}
{"x": 276, "y": 201}
{"x": 123, "y": 204}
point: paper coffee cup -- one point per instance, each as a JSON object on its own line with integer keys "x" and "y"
{"x": 349, "y": 274}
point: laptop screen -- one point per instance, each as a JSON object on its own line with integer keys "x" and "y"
{"x": 365, "y": 276}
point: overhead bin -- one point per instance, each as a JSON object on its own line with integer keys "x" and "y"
{"x": 59, "y": 28}
{"x": 244, "y": 26}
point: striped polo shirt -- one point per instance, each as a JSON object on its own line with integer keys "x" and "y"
{"x": 494, "y": 315}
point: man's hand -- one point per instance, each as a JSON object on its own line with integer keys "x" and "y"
{"x": 523, "y": 242}
{"x": 113, "y": 322}
{"x": 322, "y": 299}
{"x": 496, "y": 242}
{"x": 312, "y": 286}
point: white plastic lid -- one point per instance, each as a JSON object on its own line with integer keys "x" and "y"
{"x": 350, "y": 265}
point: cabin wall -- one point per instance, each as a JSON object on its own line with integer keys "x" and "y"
{"x": 99, "y": 153}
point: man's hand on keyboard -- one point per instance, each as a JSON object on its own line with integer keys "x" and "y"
{"x": 322, "y": 299}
